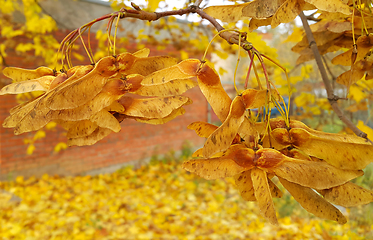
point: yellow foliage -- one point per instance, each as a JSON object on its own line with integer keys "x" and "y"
{"x": 296, "y": 35}
{"x": 51, "y": 125}
{"x": 304, "y": 99}
{"x": 287, "y": 12}
{"x": 60, "y": 146}
{"x": 356, "y": 93}
{"x": 331, "y": 6}
{"x": 153, "y": 4}
{"x": 30, "y": 149}
{"x": 148, "y": 203}
{"x": 222, "y": 71}
{"x": 227, "y": 13}
{"x": 90, "y": 102}
{"x": 7, "y": 6}
{"x": 365, "y": 129}
{"x": 221, "y": 54}
{"x": 39, "y": 134}
{"x": 184, "y": 55}
{"x": 306, "y": 70}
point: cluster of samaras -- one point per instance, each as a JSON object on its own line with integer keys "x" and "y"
{"x": 90, "y": 101}
{"x": 306, "y": 161}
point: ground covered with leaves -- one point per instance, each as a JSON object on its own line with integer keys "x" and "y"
{"x": 157, "y": 201}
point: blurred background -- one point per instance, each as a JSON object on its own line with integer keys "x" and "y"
{"x": 130, "y": 184}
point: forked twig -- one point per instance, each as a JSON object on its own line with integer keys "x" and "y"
{"x": 328, "y": 86}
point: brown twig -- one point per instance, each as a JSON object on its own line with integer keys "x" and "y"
{"x": 333, "y": 99}
{"x": 231, "y": 38}
{"x": 329, "y": 70}
{"x": 312, "y": 18}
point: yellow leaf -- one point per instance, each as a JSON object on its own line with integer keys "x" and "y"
{"x": 30, "y": 149}
{"x": 296, "y": 35}
{"x": 365, "y": 129}
{"x": 261, "y": 9}
{"x": 226, "y": 13}
{"x": 60, "y": 146}
{"x": 24, "y": 47}
{"x": 331, "y": 6}
{"x": 315, "y": 110}
{"x": 222, "y": 71}
{"x": 153, "y": 4}
{"x": 304, "y": 99}
{"x": 364, "y": 44}
{"x": 350, "y": 77}
{"x": 39, "y": 135}
{"x": 356, "y": 93}
{"x": 256, "y": 23}
{"x": 51, "y": 125}
{"x": 287, "y": 12}
{"x": 221, "y": 54}
{"x": 184, "y": 55}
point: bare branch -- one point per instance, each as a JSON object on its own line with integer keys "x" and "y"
{"x": 333, "y": 100}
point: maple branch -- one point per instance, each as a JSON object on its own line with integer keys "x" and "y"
{"x": 328, "y": 68}
{"x": 231, "y": 38}
{"x": 333, "y": 99}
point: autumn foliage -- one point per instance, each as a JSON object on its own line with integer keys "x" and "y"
{"x": 131, "y": 203}
{"x": 254, "y": 148}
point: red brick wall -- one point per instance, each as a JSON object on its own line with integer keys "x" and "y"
{"x": 135, "y": 142}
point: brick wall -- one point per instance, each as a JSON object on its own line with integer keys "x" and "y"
{"x": 135, "y": 142}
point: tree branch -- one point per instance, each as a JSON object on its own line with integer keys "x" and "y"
{"x": 231, "y": 38}
{"x": 328, "y": 87}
